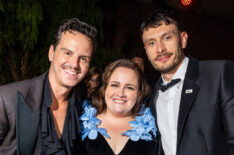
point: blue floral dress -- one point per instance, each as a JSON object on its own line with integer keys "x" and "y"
{"x": 141, "y": 136}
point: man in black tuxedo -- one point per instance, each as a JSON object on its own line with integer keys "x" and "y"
{"x": 193, "y": 100}
{"x": 40, "y": 115}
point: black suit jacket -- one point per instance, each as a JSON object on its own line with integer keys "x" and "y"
{"x": 20, "y": 105}
{"x": 206, "y": 115}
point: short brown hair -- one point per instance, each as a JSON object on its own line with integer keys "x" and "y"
{"x": 98, "y": 100}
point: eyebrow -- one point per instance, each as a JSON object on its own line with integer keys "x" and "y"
{"x": 163, "y": 35}
{"x": 169, "y": 32}
{"x": 73, "y": 52}
{"x": 114, "y": 82}
{"x": 148, "y": 40}
{"x": 131, "y": 85}
{"x": 66, "y": 49}
{"x": 128, "y": 84}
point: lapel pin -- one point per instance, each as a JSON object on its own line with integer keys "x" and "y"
{"x": 188, "y": 91}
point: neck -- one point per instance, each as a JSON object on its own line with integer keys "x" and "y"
{"x": 169, "y": 75}
{"x": 59, "y": 94}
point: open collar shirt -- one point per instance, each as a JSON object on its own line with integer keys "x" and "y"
{"x": 50, "y": 143}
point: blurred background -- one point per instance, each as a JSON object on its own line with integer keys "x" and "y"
{"x": 26, "y": 27}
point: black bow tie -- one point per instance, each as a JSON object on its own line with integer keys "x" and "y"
{"x": 163, "y": 88}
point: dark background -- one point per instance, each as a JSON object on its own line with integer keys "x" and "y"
{"x": 210, "y": 25}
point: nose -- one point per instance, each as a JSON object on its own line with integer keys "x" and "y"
{"x": 121, "y": 92}
{"x": 74, "y": 62}
{"x": 160, "y": 47}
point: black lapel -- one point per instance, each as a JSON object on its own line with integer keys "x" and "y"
{"x": 27, "y": 125}
{"x": 189, "y": 92}
{"x": 28, "y": 108}
{"x": 35, "y": 91}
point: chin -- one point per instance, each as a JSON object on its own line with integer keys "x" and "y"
{"x": 121, "y": 113}
{"x": 70, "y": 84}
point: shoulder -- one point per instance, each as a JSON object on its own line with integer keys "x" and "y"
{"x": 209, "y": 63}
{"x": 209, "y": 67}
{"x": 29, "y": 89}
{"x": 216, "y": 66}
{"x": 20, "y": 86}
{"x": 12, "y": 87}
{"x": 215, "y": 63}
{"x": 143, "y": 126}
{"x": 89, "y": 122}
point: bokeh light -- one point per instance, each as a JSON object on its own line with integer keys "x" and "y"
{"x": 186, "y": 2}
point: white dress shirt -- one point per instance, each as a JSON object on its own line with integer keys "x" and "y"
{"x": 167, "y": 106}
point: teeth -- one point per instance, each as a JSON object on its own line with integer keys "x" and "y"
{"x": 119, "y": 101}
{"x": 70, "y": 72}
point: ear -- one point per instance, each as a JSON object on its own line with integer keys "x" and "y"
{"x": 51, "y": 53}
{"x": 184, "y": 38}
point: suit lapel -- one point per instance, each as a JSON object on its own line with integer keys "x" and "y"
{"x": 189, "y": 93}
{"x": 28, "y": 115}
{"x": 34, "y": 94}
{"x": 27, "y": 125}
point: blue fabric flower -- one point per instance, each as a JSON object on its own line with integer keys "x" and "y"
{"x": 90, "y": 122}
{"x": 143, "y": 125}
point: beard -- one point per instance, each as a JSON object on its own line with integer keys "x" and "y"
{"x": 174, "y": 64}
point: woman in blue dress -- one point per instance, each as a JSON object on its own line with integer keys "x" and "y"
{"x": 117, "y": 121}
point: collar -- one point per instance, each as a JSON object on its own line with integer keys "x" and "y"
{"x": 48, "y": 97}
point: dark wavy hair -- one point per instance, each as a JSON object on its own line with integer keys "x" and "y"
{"x": 98, "y": 98}
{"x": 160, "y": 16}
{"x": 76, "y": 25}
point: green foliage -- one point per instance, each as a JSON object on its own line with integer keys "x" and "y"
{"x": 1, "y": 10}
{"x": 29, "y": 15}
{"x": 1, "y": 7}
{"x": 39, "y": 63}
{"x": 27, "y": 26}
{"x": 19, "y": 24}
{"x": 56, "y": 11}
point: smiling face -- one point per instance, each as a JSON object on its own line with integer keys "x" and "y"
{"x": 70, "y": 60}
{"x": 164, "y": 46}
{"x": 122, "y": 91}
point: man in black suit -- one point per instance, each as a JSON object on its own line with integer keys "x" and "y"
{"x": 40, "y": 115}
{"x": 193, "y": 100}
